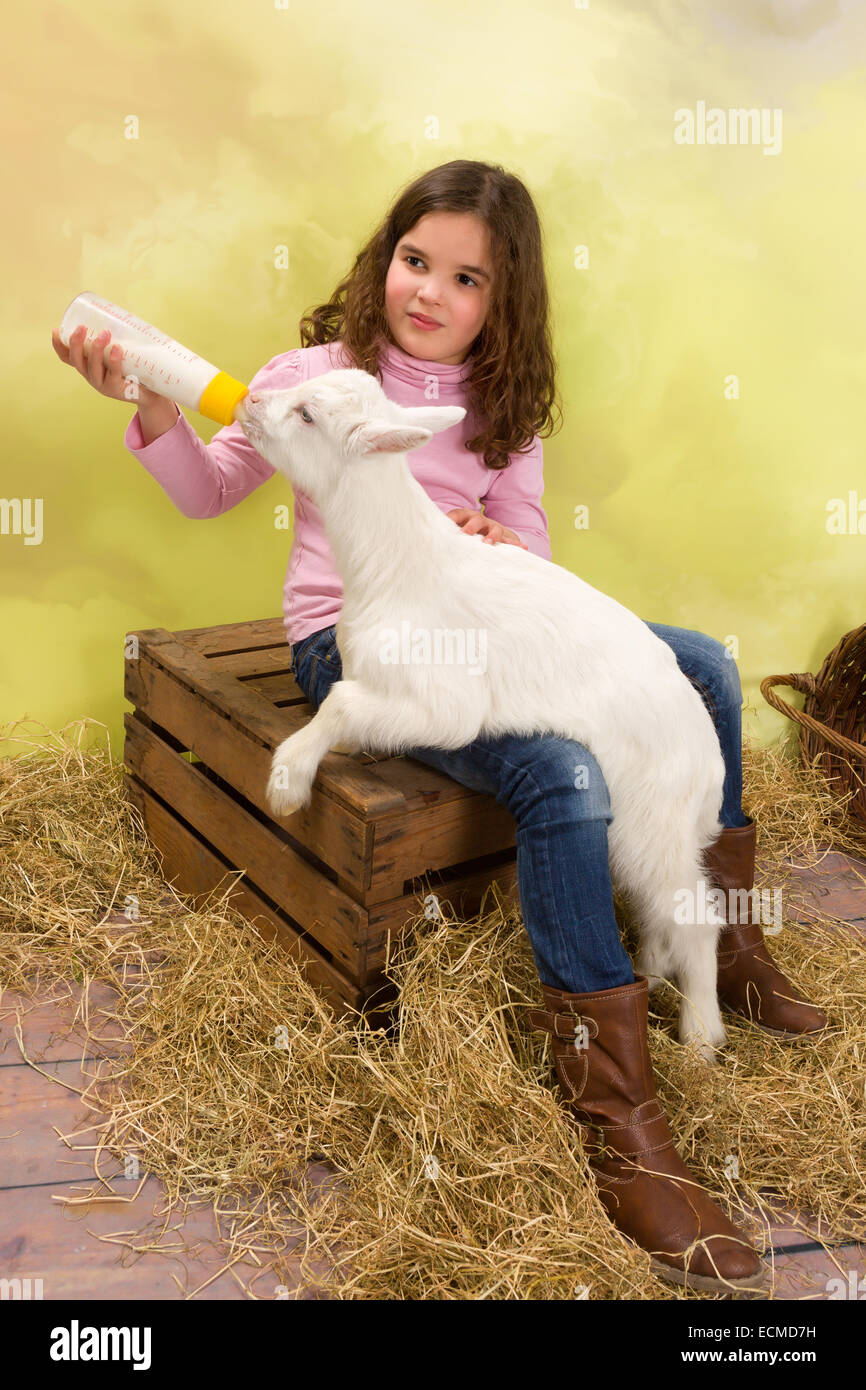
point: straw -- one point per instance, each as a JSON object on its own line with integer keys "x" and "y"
{"x": 432, "y": 1161}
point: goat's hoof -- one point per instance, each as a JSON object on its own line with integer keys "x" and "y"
{"x": 707, "y": 1048}
{"x": 701, "y": 1050}
{"x": 285, "y": 795}
{"x": 282, "y": 805}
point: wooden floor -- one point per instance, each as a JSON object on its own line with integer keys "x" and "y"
{"x": 91, "y": 1249}
{"x": 87, "y": 1250}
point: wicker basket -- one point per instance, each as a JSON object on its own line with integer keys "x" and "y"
{"x": 833, "y": 719}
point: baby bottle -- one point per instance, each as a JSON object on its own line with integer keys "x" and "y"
{"x": 156, "y": 360}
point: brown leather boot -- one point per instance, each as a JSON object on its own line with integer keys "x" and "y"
{"x": 749, "y": 980}
{"x": 603, "y": 1066}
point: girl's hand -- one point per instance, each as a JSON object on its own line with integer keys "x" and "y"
{"x": 477, "y": 523}
{"x": 90, "y": 362}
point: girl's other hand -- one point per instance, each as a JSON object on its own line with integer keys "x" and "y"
{"x": 90, "y": 362}
{"x": 476, "y": 523}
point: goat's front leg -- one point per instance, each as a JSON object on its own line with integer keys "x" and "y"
{"x": 350, "y": 717}
{"x": 296, "y": 761}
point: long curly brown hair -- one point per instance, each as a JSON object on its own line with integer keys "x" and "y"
{"x": 511, "y": 392}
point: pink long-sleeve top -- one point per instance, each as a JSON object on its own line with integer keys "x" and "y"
{"x": 205, "y": 480}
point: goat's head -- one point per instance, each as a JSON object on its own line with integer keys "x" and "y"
{"x": 324, "y": 431}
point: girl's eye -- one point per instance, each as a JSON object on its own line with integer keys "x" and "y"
{"x": 463, "y": 272}
{"x": 305, "y": 415}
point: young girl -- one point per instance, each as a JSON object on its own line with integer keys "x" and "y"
{"x": 448, "y": 301}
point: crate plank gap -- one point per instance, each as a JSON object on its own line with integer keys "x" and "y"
{"x": 332, "y": 882}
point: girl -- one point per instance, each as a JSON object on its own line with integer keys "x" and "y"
{"x": 448, "y": 301}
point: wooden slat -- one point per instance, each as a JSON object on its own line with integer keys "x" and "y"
{"x": 331, "y": 830}
{"x": 436, "y": 837}
{"x": 256, "y": 663}
{"x": 30, "y": 1152}
{"x": 281, "y": 689}
{"x": 195, "y": 869}
{"x": 421, "y": 785}
{"x": 320, "y": 907}
{"x": 464, "y": 890}
{"x": 82, "y": 1009}
{"x": 230, "y": 637}
{"x": 43, "y": 1239}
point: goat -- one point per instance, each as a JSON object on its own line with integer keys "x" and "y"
{"x": 560, "y": 657}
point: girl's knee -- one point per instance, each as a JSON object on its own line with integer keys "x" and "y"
{"x": 564, "y": 779}
{"x": 591, "y": 796}
{"x": 717, "y": 673}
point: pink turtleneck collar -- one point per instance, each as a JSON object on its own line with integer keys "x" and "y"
{"x": 417, "y": 369}
{"x": 405, "y": 367}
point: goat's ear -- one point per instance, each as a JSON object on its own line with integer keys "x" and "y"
{"x": 383, "y": 437}
{"x": 433, "y": 417}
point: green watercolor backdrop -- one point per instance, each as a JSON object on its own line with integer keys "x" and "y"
{"x": 270, "y": 125}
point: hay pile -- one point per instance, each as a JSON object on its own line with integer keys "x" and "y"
{"x": 457, "y": 1175}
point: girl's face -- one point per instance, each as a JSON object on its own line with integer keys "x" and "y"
{"x": 441, "y": 270}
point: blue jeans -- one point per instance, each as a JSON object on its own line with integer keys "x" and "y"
{"x": 563, "y": 873}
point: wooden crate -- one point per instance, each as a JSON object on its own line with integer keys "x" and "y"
{"x": 333, "y": 881}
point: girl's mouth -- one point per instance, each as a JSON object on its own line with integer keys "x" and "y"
{"x": 423, "y": 323}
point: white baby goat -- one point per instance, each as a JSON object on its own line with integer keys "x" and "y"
{"x": 561, "y": 658}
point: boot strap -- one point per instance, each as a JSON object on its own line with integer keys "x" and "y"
{"x": 561, "y": 1025}
{"x": 739, "y": 937}
{"x": 650, "y": 1135}
{"x": 626, "y": 1143}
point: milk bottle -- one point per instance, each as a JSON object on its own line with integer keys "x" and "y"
{"x": 156, "y": 360}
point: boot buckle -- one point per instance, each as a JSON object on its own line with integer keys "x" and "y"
{"x": 580, "y": 1033}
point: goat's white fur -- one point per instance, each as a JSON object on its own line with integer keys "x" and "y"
{"x": 562, "y": 658}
